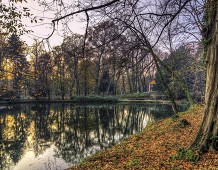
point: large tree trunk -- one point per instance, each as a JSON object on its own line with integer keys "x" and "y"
{"x": 207, "y": 137}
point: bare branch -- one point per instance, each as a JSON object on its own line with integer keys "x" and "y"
{"x": 87, "y": 25}
{"x": 170, "y": 21}
{"x": 80, "y": 11}
{"x": 86, "y": 10}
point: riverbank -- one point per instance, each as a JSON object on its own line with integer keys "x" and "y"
{"x": 11, "y": 105}
{"x": 77, "y": 99}
{"x": 160, "y": 146}
{"x": 134, "y": 98}
{"x": 89, "y": 101}
{"x": 148, "y": 97}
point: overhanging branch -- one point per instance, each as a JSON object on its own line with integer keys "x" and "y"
{"x": 80, "y": 11}
{"x": 86, "y": 10}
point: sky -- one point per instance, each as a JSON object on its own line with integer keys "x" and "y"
{"x": 42, "y": 29}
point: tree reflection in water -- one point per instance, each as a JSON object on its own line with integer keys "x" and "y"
{"x": 68, "y": 132}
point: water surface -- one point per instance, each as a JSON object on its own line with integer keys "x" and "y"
{"x": 56, "y": 136}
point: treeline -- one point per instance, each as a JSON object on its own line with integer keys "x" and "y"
{"x": 107, "y": 61}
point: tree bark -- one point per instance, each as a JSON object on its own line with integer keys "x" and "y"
{"x": 207, "y": 137}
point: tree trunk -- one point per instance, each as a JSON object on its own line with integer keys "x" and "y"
{"x": 166, "y": 87}
{"x": 123, "y": 88}
{"x": 76, "y": 76}
{"x": 62, "y": 72}
{"x": 98, "y": 69}
{"x": 129, "y": 81}
{"x": 207, "y": 137}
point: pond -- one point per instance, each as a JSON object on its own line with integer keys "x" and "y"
{"x": 56, "y": 136}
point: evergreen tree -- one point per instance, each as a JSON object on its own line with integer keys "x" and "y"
{"x": 20, "y": 64}
{"x": 104, "y": 82}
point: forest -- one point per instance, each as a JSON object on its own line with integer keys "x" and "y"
{"x": 117, "y": 68}
{"x": 134, "y": 59}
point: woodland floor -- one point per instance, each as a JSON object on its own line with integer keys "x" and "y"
{"x": 159, "y": 146}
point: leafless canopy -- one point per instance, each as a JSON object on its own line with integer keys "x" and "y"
{"x": 154, "y": 19}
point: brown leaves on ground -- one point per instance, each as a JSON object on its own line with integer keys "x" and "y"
{"x": 155, "y": 147}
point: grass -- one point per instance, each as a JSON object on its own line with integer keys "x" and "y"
{"x": 144, "y": 96}
{"x": 159, "y": 146}
{"x": 74, "y": 99}
{"x": 94, "y": 99}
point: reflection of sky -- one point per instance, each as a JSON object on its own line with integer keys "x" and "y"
{"x": 56, "y": 138}
{"x": 45, "y": 161}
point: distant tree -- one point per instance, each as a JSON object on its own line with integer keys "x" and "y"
{"x": 87, "y": 82}
{"x": 20, "y": 65}
{"x": 183, "y": 64}
{"x": 72, "y": 48}
{"x": 43, "y": 70}
{"x": 3, "y": 45}
{"x": 3, "y": 62}
{"x": 102, "y": 38}
{"x": 105, "y": 83}
{"x": 60, "y": 74}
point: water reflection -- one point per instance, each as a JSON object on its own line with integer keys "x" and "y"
{"x": 54, "y": 136}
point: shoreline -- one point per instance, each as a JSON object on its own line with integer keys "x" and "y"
{"x": 156, "y": 147}
{"x": 84, "y": 102}
{"x": 6, "y": 105}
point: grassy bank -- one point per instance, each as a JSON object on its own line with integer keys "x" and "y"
{"x": 94, "y": 99}
{"x": 149, "y": 97}
{"x": 135, "y": 97}
{"x": 160, "y": 146}
{"x": 76, "y": 99}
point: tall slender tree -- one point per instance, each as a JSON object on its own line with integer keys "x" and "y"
{"x": 20, "y": 64}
